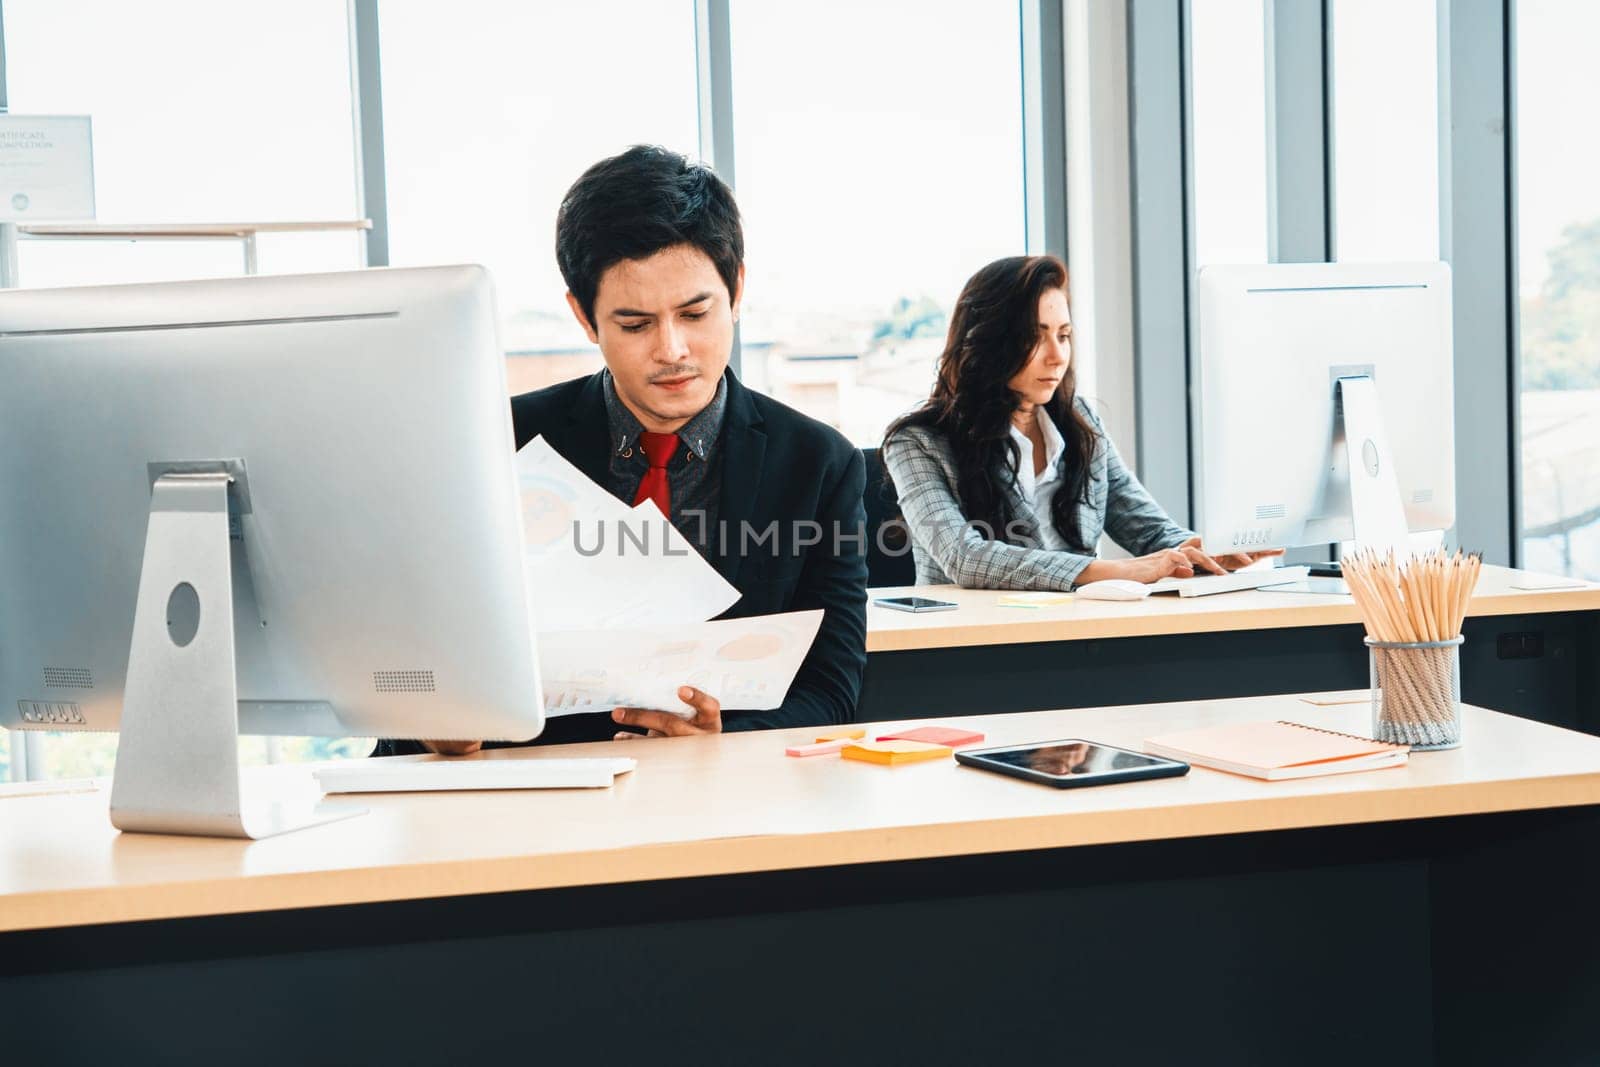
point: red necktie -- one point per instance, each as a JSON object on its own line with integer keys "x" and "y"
{"x": 657, "y": 448}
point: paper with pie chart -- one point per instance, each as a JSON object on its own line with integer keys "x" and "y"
{"x": 747, "y": 664}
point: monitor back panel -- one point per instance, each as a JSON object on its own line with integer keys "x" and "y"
{"x": 1273, "y": 340}
{"x": 378, "y": 571}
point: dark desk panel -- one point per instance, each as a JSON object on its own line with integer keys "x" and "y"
{"x": 1463, "y": 940}
{"x": 1540, "y": 666}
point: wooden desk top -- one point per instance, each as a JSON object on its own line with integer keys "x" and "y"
{"x": 736, "y": 803}
{"x": 982, "y": 621}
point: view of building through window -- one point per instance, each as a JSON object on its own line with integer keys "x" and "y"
{"x": 193, "y": 122}
{"x": 872, "y": 187}
{"x": 491, "y": 113}
{"x": 921, "y": 170}
{"x": 1558, "y": 277}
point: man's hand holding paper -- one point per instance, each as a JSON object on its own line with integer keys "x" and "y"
{"x": 706, "y": 718}
{"x": 621, "y": 600}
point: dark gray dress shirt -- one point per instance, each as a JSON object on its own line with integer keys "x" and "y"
{"x": 694, "y": 473}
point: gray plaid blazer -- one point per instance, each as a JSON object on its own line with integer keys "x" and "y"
{"x": 947, "y": 548}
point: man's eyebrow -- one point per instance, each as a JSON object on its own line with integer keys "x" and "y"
{"x": 633, "y": 313}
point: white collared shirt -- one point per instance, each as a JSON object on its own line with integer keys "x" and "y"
{"x": 1039, "y": 490}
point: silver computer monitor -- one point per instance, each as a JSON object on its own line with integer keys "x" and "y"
{"x": 289, "y": 496}
{"x": 1276, "y": 341}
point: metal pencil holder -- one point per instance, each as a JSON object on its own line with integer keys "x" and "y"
{"x": 1416, "y": 692}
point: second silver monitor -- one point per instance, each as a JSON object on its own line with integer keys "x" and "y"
{"x": 1274, "y": 341}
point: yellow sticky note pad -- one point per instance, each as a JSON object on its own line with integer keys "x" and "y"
{"x": 896, "y": 752}
{"x": 843, "y": 733}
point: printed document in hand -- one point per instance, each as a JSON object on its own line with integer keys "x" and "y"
{"x": 747, "y": 664}
{"x": 622, "y": 622}
{"x": 634, "y": 567}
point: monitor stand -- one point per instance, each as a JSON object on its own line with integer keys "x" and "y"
{"x": 177, "y": 768}
{"x": 1376, "y": 509}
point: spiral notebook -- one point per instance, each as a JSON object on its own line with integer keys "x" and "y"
{"x": 1277, "y": 750}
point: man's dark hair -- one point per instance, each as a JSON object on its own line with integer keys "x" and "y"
{"x": 632, "y": 206}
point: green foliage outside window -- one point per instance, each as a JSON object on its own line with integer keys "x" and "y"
{"x": 1561, "y": 326}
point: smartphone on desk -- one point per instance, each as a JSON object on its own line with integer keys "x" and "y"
{"x": 915, "y": 603}
{"x": 1071, "y": 762}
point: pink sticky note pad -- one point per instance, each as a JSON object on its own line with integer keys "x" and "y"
{"x": 936, "y": 735}
{"x": 820, "y": 748}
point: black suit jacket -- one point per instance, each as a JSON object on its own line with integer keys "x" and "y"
{"x": 778, "y": 466}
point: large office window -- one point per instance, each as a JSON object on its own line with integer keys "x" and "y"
{"x": 879, "y": 151}
{"x": 1558, "y": 283}
{"x": 203, "y": 112}
{"x": 879, "y": 158}
{"x": 491, "y": 110}
{"x": 1386, "y": 129}
{"x": 1228, "y": 105}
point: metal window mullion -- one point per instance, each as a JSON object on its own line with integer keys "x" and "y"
{"x": 1100, "y": 210}
{"x": 713, "y": 53}
{"x": 5, "y": 89}
{"x": 1476, "y": 228}
{"x": 1513, "y": 300}
{"x": 1044, "y": 130}
{"x": 31, "y": 745}
{"x": 714, "y": 73}
{"x": 19, "y": 756}
{"x": 1159, "y": 161}
{"x": 1298, "y": 196}
{"x": 366, "y": 92}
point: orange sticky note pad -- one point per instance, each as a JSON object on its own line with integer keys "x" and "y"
{"x": 936, "y": 735}
{"x": 894, "y": 753}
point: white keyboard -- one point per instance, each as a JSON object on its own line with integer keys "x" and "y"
{"x": 406, "y": 776}
{"x": 1207, "y": 584}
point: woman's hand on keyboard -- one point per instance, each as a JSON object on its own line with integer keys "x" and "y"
{"x": 1220, "y": 563}
{"x": 1240, "y": 560}
{"x": 1200, "y": 559}
{"x": 1167, "y": 563}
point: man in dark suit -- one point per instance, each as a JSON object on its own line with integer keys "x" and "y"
{"x": 652, "y": 251}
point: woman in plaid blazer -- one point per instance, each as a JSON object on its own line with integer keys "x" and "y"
{"x": 1005, "y": 477}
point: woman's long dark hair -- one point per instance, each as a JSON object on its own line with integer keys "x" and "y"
{"x": 993, "y": 334}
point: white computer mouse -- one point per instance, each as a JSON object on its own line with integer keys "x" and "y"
{"x": 1114, "y": 589}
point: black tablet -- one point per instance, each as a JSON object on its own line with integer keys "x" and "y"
{"x": 1072, "y": 762}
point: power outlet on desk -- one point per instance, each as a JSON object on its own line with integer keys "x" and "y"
{"x": 1526, "y": 644}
